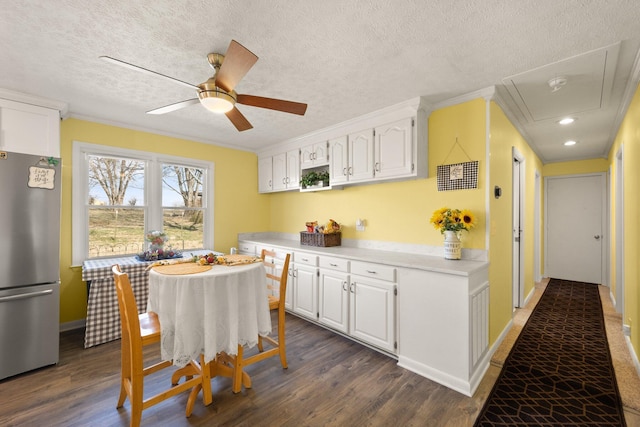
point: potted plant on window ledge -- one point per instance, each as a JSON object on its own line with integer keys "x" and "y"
{"x": 315, "y": 179}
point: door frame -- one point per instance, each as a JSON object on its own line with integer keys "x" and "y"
{"x": 619, "y": 230}
{"x": 518, "y": 210}
{"x": 605, "y": 226}
{"x": 537, "y": 264}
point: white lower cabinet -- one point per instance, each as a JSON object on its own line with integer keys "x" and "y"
{"x": 359, "y": 305}
{"x": 333, "y": 310}
{"x": 372, "y": 312}
{"x": 305, "y": 285}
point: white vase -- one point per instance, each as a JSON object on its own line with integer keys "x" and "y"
{"x": 452, "y": 245}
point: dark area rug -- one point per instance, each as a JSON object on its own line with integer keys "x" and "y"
{"x": 559, "y": 371}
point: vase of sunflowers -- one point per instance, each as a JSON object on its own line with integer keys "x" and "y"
{"x": 451, "y": 222}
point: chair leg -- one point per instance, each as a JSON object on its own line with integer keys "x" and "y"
{"x": 281, "y": 340}
{"x": 123, "y": 394}
{"x": 135, "y": 399}
{"x": 260, "y": 343}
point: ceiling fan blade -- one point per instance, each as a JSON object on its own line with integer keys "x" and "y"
{"x": 239, "y": 121}
{"x": 273, "y": 104}
{"x": 175, "y": 106}
{"x": 237, "y": 61}
{"x": 145, "y": 71}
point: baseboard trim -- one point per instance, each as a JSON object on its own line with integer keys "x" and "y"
{"x": 633, "y": 354}
{"x": 454, "y": 383}
{"x": 70, "y": 326}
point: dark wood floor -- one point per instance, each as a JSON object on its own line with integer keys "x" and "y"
{"x": 331, "y": 381}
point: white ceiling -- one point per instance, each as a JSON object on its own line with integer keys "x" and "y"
{"x": 343, "y": 58}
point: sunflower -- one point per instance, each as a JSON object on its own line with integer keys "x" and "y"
{"x": 468, "y": 219}
{"x": 438, "y": 218}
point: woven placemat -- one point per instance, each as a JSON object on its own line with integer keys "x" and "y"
{"x": 184, "y": 268}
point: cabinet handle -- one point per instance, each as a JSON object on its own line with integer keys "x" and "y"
{"x": 372, "y": 272}
{"x": 377, "y": 167}
{"x": 284, "y": 180}
{"x": 305, "y": 259}
{"x": 344, "y": 286}
{"x": 344, "y": 171}
{"x": 351, "y": 288}
{"x": 270, "y": 183}
{"x": 350, "y": 170}
{"x": 333, "y": 265}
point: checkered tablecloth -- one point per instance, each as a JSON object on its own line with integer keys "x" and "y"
{"x": 103, "y": 317}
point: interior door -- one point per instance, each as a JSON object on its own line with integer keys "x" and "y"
{"x": 574, "y": 227}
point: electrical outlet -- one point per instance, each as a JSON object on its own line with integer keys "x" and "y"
{"x": 360, "y": 225}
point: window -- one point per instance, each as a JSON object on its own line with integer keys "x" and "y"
{"x": 119, "y": 195}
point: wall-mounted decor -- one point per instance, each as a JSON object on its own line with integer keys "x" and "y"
{"x": 458, "y": 176}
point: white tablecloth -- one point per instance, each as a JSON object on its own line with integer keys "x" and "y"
{"x": 210, "y": 312}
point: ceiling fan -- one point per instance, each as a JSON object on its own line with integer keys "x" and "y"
{"x": 217, "y": 94}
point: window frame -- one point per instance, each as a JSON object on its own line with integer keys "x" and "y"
{"x": 152, "y": 192}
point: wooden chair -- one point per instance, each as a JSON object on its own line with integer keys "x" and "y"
{"x": 276, "y": 302}
{"x": 139, "y": 330}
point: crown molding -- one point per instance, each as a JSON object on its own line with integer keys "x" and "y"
{"x": 37, "y": 101}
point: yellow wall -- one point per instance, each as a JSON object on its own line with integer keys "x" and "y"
{"x": 503, "y": 138}
{"x": 237, "y": 207}
{"x": 575, "y": 167}
{"x": 628, "y": 138}
{"x": 400, "y": 211}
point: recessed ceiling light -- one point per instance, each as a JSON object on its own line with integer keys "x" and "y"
{"x": 568, "y": 143}
{"x": 567, "y": 121}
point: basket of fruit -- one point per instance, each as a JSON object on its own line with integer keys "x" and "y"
{"x": 321, "y": 236}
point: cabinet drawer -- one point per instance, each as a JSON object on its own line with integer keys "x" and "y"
{"x": 305, "y": 258}
{"x": 247, "y": 248}
{"x": 378, "y": 271}
{"x": 338, "y": 264}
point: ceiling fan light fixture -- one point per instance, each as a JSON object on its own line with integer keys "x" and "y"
{"x": 570, "y": 143}
{"x": 567, "y": 121}
{"x": 216, "y": 101}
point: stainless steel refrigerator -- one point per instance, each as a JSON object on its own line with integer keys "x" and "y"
{"x": 29, "y": 262}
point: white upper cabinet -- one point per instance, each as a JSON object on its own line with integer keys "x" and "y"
{"x": 394, "y": 149}
{"x": 29, "y": 129}
{"x": 265, "y": 174}
{"x": 361, "y": 156}
{"x": 285, "y": 172}
{"x": 314, "y": 155}
{"x": 389, "y": 144}
{"x": 339, "y": 164}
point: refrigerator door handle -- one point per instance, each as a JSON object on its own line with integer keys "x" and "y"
{"x": 23, "y": 296}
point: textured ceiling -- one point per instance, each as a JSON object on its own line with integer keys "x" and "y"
{"x": 343, "y": 58}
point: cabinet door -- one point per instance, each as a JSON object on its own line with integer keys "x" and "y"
{"x": 280, "y": 172}
{"x": 305, "y": 294}
{"x": 361, "y": 156}
{"x": 339, "y": 165}
{"x": 293, "y": 169}
{"x": 265, "y": 175}
{"x": 306, "y": 156}
{"x": 394, "y": 149}
{"x": 321, "y": 155}
{"x": 288, "y": 300}
{"x": 372, "y": 312}
{"x": 29, "y": 129}
{"x": 333, "y": 304}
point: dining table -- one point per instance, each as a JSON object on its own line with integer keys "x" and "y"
{"x": 206, "y": 312}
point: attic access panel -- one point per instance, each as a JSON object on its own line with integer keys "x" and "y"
{"x": 588, "y": 87}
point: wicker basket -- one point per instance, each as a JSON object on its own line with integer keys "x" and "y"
{"x": 320, "y": 239}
